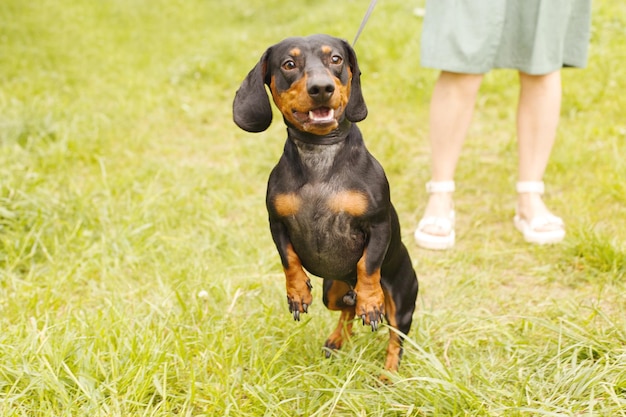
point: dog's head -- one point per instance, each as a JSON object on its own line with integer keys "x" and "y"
{"x": 314, "y": 81}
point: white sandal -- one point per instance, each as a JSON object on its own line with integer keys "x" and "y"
{"x": 530, "y": 229}
{"x": 446, "y": 224}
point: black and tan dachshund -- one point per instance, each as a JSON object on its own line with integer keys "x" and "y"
{"x": 328, "y": 198}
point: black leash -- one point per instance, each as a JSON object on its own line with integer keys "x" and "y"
{"x": 364, "y": 21}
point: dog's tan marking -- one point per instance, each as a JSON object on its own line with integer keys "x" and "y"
{"x": 297, "y": 281}
{"x": 351, "y": 202}
{"x": 370, "y": 298}
{"x": 327, "y": 49}
{"x": 287, "y": 204}
{"x": 295, "y": 52}
{"x": 293, "y": 99}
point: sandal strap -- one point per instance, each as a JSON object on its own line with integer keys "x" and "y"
{"x": 545, "y": 220}
{"x": 444, "y": 223}
{"x": 530, "y": 187}
{"x": 440, "y": 187}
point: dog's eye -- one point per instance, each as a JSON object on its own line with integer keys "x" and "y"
{"x": 336, "y": 59}
{"x": 289, "y": 65}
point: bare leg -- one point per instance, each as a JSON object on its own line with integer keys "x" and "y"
{"x": 451, "y": 110}
{"x": 537, "y": 120}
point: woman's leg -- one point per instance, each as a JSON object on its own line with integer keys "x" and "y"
{"x": 537, "y": 120}
{"x": 451, "y": 109}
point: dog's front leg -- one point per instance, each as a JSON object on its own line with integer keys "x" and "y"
{"x": 370, "y": 299}
{"x": 298, "y": 283}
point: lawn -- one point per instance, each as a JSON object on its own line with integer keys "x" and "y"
{"x": 137, "y": 272}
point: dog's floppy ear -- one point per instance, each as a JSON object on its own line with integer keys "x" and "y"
{"x": 356, "y": 110}
{"x": 252, "y": 110}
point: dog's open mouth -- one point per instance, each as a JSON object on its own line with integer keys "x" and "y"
{"x": 321, "y": 115}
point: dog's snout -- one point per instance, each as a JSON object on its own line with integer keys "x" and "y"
{"x": 320, "y": 88}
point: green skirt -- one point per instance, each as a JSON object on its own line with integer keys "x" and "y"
{"x": 533, "y": 36}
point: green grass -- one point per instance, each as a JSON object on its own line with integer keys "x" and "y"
{"x": 126, "y": 190}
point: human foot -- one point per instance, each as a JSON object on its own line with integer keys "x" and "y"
{"x": 533, "y": 219}
{"x": 436, "y": 229}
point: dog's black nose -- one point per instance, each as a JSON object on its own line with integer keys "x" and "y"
{"x": 320, "y": 88}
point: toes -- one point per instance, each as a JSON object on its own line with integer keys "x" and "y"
{"x": 373, "y": 318}
{"x": 295, "y": 308}
{"x": 329, "y": 347}
{"x": 299, "y": 300}
{"x": 374, "y": 324}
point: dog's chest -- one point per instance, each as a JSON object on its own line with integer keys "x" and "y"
{"x": 327, "y": 228}
{"x": 326, "y": 217}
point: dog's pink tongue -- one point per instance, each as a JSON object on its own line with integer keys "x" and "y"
{"x": 322, "y": 114}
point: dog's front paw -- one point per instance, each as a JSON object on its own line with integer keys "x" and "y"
{"x": 370, "y": 307}
{"x": 299, "y": 299}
